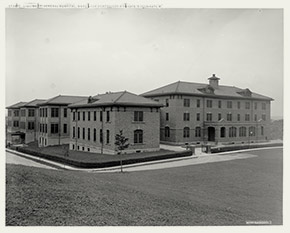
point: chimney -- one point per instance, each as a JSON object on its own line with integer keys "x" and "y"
{"x": 214, "y": 81}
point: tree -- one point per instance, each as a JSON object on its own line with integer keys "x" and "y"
{"x": 121, "y": 143}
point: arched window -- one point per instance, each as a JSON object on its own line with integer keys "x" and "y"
{"x": 232, "y": 132}
{"x": 167, "y": 132}
{"x": 223, "y": 132}
{"x": 138, "y": 136}
{"x": 252, "y": 131}
{"x": 242, "y": 131}
{"x": 186, "y": 132}
{"x": 197, "y": 132}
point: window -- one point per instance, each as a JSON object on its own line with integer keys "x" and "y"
{"x": 108, "y": 136}
{"x": 262, "y": 130}
{"x": 54, "y": 128}
{"x": 31, "y": 112}
{"x": 16, "y": 113}
{"x": 95, "y": 115}
{"x": 197, "y": 132}
{"x": 138, "y": 116}
{"x": 186, "y": 116}
{"x": 65, "y": 112}
{"x": 15, "y": 123}
{"x": 167, "y": 103}
{"x": 186, "y": 132}
{"x": 209, "y": 103}
{"x": 84, "y": 133}
{"x": 255, "y": 105}
{"x": 74, "y": 132}
{"x": 79, "y": 133}
{"x": 74, "y": 116}
{"x": 198, "y": 103}
{"x": 239, "y": 105}
{"x": 101, "y": 116}
{"x": 65, "y": 128}
{"x": 220, "y": 104}
{"x": 232, "y": 132}
{"x": 89, "y": 150}
{"x": 247, "y": 117}
{"x": 209, "y": 117}
{"x": 101, "y": 136}
{"x": 167, "y": 132}
{"x": 89, "y": 115}
{"x": 229, "y": 104}
{"x": 22, "y": 112}
{"x": 54, "y": 112}
{"x": 255, "y": 117}
{"x": 84, "y": 116}
{"x": 79, "y": 116}
{"x": 242, "y": 131}
{"x": 238, "y": 117}
{"x": 252, "y": 131}
{"x": 229, "y": 117}
{"x": 89, "y": 134}
{"x": 108, "y": 116}
{"x": 186, "y": 102}
{"x": 9, "y": 113}
{"x": 45, "y": 112}
{"x": 247, "y": 105}
{"x": 95, "y": 135}
{"x": 263, "y": 117}
{"x": 223, "y": 132}
{"x": 167, "y": 116}
{"x": 263, "y": 106}
{"x": 219, "y": 116}
{"x": 9, "y": 123}
{"x": 198, "y": 116}
{"x": 45, "y": 128}
{"x": 138, "y": 136}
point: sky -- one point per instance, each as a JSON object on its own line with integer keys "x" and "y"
{"x": 91, "y": 51}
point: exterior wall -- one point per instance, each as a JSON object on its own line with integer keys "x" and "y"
{"x": 120, "y": 119}
{"x": 10, "y": 124}
{"x": 48, "y": 138}
{"x": 176, "y": 122}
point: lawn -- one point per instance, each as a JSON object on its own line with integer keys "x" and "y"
{"x": 86, "y": 159}
{"x": 223, "y": 193}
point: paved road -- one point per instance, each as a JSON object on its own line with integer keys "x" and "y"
{"x": 14, "y": 159}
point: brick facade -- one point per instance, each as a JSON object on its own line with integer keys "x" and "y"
{"x": 198, "y": 118}
{"x": 109, "y": 121}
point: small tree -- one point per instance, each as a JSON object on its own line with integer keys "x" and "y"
{"x": 121, "y": 143}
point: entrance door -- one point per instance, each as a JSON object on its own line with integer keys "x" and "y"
{"x": 211, "y": 134}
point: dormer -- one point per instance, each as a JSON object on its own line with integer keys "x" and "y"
{"x": 245, "y": 92}
{"x": 207, "y": 90}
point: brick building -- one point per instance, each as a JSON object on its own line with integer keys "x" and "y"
{"x": 54, "y": 120}
{"x": 96, "y": 120}
{"x": 196, "y": 112}
{"x": 13, "y": 134}
{"x": 29, "y": 120}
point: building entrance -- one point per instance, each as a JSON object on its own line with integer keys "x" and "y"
{"x": 211, "y": 134}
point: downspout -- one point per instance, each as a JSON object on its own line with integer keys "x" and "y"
{"x": 203, "y": 118}
{"x": 76, "y": 129}
{"x": 59, "y": 119}
{"x": 102, "y": 143}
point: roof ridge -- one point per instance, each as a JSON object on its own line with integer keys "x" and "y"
{"x": 178, "y": 83}
{"x": 123, "y": 93}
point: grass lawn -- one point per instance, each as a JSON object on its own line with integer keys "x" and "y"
{"x": 88, "y": 157}
{"x": 223, "y": 193}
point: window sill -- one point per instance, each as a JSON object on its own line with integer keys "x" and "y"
{"x": 138, "y": 122}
